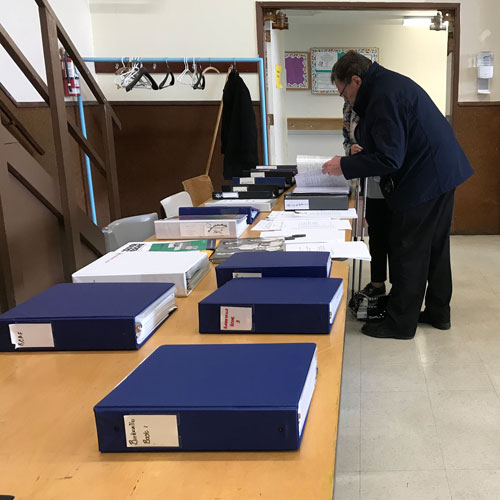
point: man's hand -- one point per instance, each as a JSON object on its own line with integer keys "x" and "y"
{"x": 332, "y": 167}
{"x": 356, "y": 148}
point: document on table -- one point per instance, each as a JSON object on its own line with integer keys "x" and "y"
{"x": 350, "y": 213}
{"x": 294, "y": 224}
{"x": 309, "y": 235}
{"x": 322, "y": 190}
{"x": 316, "y": 178}
{"x": 338, "y": 249}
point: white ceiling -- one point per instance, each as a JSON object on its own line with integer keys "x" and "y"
{"x": 347, "y": 17}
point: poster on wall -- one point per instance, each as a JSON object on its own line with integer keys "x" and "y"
{"x": 322, "y": 61}
{"x": 297, "y": 70}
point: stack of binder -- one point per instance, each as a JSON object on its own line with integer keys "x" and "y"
{"x": 287, "y": 173}
{"x": 201, "y": 226}
{"x": 250, "y": 212}
{"x": 248, "y": 191}
{"x": 184, "y": 269}
{"x": 87, "y": 316}
{"x": 272, "y": 305}
{"x": 274, "y": 265}
{"x": 244, "y": 397}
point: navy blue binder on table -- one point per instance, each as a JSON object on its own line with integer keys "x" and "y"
{"x": 211, "y": 398}
{"x": 87, "y": 316}
{"x": 271, "y": 305}
{"x": 278, "y": 181}
{"x": 250, "y": 212}
{"x": 274, "y": 265}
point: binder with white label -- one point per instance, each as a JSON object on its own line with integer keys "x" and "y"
{"x": 265, "y": 205}
{"x": 271, "y": 305}
{"x": 273, "y": 265}
{"x": 243, "y": 397}
{"x": 316, "y": 202}
{"x": 250, "y": 212}
{"x": 87, "y": 316}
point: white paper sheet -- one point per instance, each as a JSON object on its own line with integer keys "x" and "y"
{"x": 306, "y": 163}
{"x": 299, "y": 223}
{"x": 350, "y": 213}
{"x": 338, "y": 250}
{"x": 311, "y": 235}
{"x": 322, "y": 190}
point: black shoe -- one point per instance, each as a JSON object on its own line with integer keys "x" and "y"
{"x": 380, "y": 330}
{"x": 373, "y": 291}
{"x": 425, "y": 318}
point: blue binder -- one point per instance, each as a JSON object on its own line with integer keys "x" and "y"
{"x": 211, "y": 398}
{"x": 278, "y": 181}
{"x": 86, "y": 316}
{"x": 271, "y": 305}
{"x": 274, "y": 265}
{"x": 250, "y": 212}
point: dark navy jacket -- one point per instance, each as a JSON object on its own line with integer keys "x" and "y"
{"x": 404, "y": 134}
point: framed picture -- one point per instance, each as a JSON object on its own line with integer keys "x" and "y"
{"x": 322, "y": 61}
{"x": 297, "y": 70}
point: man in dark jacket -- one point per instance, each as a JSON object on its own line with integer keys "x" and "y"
{"x": 407, "y": 141}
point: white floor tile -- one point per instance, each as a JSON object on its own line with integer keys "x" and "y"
{"x": 348, "y": 450}
{"x": 349, "y": 410}
{"x": 447, "y": 376}
{"x": 395, "y": 448}
{"x": 392, "y": 377}
{"x": 474, "y": 484}
{"x": 404, "y": 485}
{"x": 384, "y": 351}
{"x": 395, "y": 409}
{"x": 346, "y": 486}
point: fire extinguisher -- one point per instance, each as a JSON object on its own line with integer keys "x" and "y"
{"x": 71, "y": 79}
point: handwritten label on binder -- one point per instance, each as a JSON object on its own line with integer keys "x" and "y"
{"x": 230, "y": 195}
{"x": 267, "y": 167}
{"x": 240, "y": 189}
{"x": 215, "y": 229}
{"x": 235, "y": 318}
{"x": 149, "y": 431}
{"x": 247, "y": 180}
{"x": 25, "y": 335}
{"x": 291, "y": 204}
{"x": 258, "y": 174}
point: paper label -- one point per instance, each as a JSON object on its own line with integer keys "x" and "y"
{"x": 247, "y": 275}
{"x": 291, "y": 204}
{"x": 262, "y": 167}
{"x": 240, "y": 189}
{"x": 24, "y": 335}
{"x": 236, "y": 318}
{"x": 230, "y": 195}
{"x": 191, "y": 229}
{"x": 247, "y": 180}
{"x": 148, "y": 431}
{"x": 219, "y": 228}
{"x": 257, "y": 174}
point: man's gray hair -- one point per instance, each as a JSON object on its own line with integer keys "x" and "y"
{"x": 350, "y": 64}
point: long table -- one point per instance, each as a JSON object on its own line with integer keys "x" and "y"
{"x": 48, "y": 447}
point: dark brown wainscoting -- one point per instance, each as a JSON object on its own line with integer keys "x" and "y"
{"x": 161, "y": 145}
{"x": 477, "y": 201}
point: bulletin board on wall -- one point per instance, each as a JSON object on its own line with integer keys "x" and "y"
{"x": 322, "y": 61}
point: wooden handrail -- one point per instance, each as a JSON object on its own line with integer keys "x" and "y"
{"x": 88, "y": 148}
{"x": 21, "y": 128}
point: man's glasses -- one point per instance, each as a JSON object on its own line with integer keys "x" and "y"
{"x": 343, "y": 90}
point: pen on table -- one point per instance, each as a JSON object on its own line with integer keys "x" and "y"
{"x": 293, "y": 236}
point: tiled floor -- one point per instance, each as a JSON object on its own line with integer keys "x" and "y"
{"x": 420, "y": 419}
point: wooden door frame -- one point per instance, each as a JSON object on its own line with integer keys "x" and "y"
{"x": 455, "y": 7}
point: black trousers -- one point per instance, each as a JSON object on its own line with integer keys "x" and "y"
{"x": 378, "y": 217}
{"x": 420, "y": 257}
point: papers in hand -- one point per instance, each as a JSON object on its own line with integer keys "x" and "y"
{"x": 338, "y": 250}
{"x": 316, "y": 178}
{"x": 306, "y": 163}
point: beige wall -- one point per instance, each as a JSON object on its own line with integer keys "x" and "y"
{"x": 227, "y": 28}
{"x": 418, "y": 53}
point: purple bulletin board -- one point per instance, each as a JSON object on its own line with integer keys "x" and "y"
{"x": 297, "y": 70}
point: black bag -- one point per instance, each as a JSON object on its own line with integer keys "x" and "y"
{"x": 366, "y": 308}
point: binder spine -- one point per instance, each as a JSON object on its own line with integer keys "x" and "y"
{"x": 81, "y": 335}
{"x": 271, "y": 318}
{"x": 207, "y": 429}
